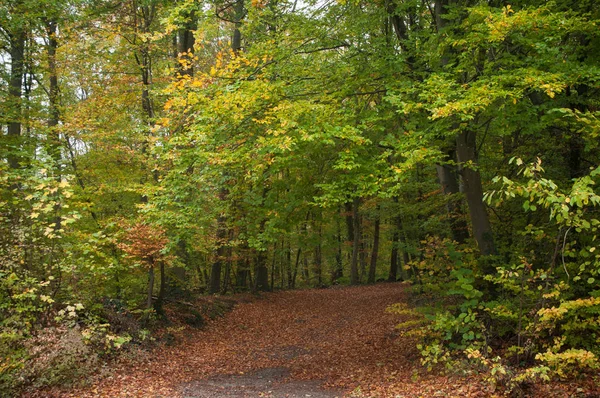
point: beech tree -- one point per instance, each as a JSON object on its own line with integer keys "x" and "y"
{"x": 262, "y": 145}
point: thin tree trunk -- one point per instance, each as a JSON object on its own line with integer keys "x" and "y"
{"x": 362, "y": 254}
{"x": 53, "y": 117}
{"x": 338, "y": 272}
{"x": 319, "y": 258}
{"x": 305, "y": 271}
{"x": 393, "y": 274}
{"x": 290, "y": 274}
{"x": 273, "y": 266}
{"x": 221, "y": 251}
{"x": 296, "y": 266}
{"x": 349, "y": 229}
{"x": 158, "y": 305}
{"x": 375, "y": 251}
{"x": 355, "y": 242}
{"x": 15, "y": 92}
{"x": 228, "y": 264}
{"x": 150, "y": 286}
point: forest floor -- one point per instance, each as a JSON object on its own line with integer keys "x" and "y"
{"x": 325, "y": 343}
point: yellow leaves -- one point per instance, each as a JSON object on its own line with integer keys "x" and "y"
{"x": 553, "y": 314}
{"x": 508, "y": 10}
{"x": 552, "y": 295}
{"x": 567, "y": 362}
{"x": 46, "y": 299}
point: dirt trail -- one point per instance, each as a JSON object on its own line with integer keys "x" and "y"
{"x": 323, "y": 343}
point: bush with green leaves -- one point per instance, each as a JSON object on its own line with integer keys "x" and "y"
{"x": 538, "y": 319}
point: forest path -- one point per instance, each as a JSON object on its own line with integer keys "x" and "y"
{"x": 323, "y": 343}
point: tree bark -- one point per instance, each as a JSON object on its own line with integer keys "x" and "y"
{"x": 273, "y": 262}
{"x": 318, "y": 267}
{"x": 54, "y": 115}
{"x": 221, "y": 250}
{"x": 261, "y": 272}
{"x": 220, "y": 253}
{"x": 355, "y": 242}
{"x": 449, "y": 182}
{"x": 375, "y": 251}
{"x": 466, "y": 154}
{"x": 185, "y": 45}
{"x": 393, "y": 274}
{"x": 289, "y": 271}
{"x": 236, "y": 40}
{"x": 338, "y": 272}
{"x": 150, "y": 286}
{"x": 261, "y": 283}
{"x": 362, "y": 253}
{"x": 158, "y": 305}
{"x": 15, "y": 92}
{"x": 394, "y": 260}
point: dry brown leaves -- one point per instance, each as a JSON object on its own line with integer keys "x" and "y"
{"x": 342, "y": 336}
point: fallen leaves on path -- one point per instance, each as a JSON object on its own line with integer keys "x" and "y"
{"x": 340, "y": 336}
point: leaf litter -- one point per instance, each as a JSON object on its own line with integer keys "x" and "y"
{"x": 320, "y": 343}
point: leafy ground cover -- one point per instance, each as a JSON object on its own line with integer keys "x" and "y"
{"x": 321, "y": 343}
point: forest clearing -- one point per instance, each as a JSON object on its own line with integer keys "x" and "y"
{"x": 359, "y": 197}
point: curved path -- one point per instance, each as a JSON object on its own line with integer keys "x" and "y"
{"x": 336, "y": 342}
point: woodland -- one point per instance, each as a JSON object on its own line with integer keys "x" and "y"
{"x": 158, "y": 154}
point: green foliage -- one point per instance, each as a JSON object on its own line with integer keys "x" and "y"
{"x": 146, "y": 165}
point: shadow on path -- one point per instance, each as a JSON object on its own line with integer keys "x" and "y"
{"x": 271, "y": 383}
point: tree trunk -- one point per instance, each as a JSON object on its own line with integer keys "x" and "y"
{"x": 15, "y": 92}
{"x": 375, "y": 251}
{"x": 150, "y": 286}
{"x": 393, "y": 274}
{"x": 482, "y": 230}
{"x": 297, "y": 264}
{"x": 273, "y": 262}
{"x": 158, "y": 306}
{"x": 338, "y": 272}
{"x": 185, "y": 45}
{"x": 53, "y": 117}
{"x": 362, "y": 254}
{"x": 242, "y": 274}
{"x": 220, "y": 252}
{"x": 261, "y": 283}
{"x": 261, "y": 272}
{"x": 236, "y": 40}
{"x": 355, "y": 242}
{"x": 227, "y": 276}
{"x": 398, "y": 229}
{"x": 304, "y": 234}
{"x": 290, "y": 274}
{"x": 319, "y": 259}
{"x": 449, "y": 182}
